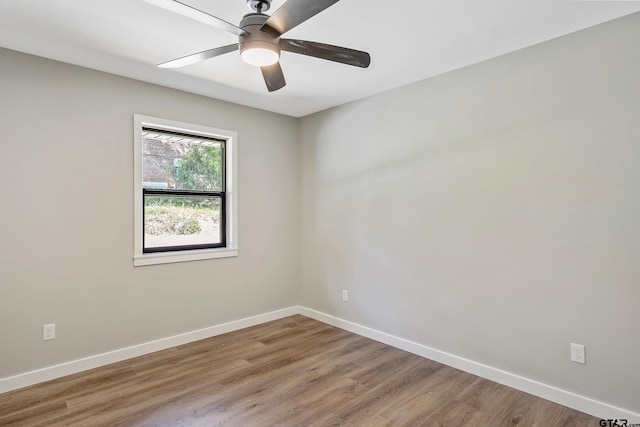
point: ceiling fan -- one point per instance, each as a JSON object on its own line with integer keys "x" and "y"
{"x": 260, "y": 41}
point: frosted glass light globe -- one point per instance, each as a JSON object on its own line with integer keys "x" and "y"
{"x": 260, "y": 57}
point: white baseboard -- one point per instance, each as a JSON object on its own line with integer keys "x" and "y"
{"x": 52, "y": 372}
{"x": 581, "y": 403}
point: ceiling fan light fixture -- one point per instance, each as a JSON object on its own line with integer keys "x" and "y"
{"x": 258, "y": 47}
{"x": 260, "y": 56}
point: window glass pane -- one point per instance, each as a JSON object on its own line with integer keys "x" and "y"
{"x": 182, "y": 162}
{"x": 188, "y": 220}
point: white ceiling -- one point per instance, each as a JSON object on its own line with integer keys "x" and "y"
{"x": 408, "y": 40}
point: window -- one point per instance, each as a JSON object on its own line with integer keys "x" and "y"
{"x": 182, "y": 191}
{"x": 185, "y": 198}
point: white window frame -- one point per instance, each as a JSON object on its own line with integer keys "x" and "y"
{"x": 231, "y": 192}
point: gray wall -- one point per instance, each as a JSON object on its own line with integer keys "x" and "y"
{"x": 492, "y": 212}
{"x": 66, "y": 217}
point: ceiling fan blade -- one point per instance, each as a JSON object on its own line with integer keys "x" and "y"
{"x": 197, "y": 57}
{"x": 273, "y": 77}
{"x": 293, "y": 13}
{"x": 343, "y": 55}
{"x": 197, "y": 14}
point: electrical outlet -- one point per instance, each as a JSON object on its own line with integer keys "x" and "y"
{"x": 345, "y": 295}
{"x": 48, "y": 332}
{"x": 577, "y": 353}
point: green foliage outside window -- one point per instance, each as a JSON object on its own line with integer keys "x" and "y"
{"x": 200, "y": 169}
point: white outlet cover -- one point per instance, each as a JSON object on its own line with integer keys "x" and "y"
{"x": 48, "y": 332}
{"x": 577, "y": 353}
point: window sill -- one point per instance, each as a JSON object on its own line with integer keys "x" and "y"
{"x": 171, "y": 257}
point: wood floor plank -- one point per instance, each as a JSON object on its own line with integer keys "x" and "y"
{"x": 290, "y": 372}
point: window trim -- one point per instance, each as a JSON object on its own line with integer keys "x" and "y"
{"x": 231, "y": 194}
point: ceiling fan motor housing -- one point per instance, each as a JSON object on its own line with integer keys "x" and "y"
{"x": 252, "y": 23}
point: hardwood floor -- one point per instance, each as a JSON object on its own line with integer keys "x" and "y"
{"x": 290, "y": 372}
